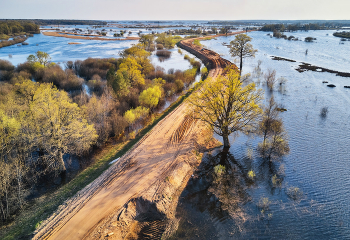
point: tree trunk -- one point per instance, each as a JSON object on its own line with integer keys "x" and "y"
{"x": 19, "y": 184}
{"x": 61, "y": 162}
{"x": 224, "y": 157}
{"x": 3, "y": 211}
{"x": 226, "y": 141}
{"x": 240, "y": 66}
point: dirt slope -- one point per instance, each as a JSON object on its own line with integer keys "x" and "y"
{"x": 160, "y": 164}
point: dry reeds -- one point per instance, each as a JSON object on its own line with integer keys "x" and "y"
{"x": 163, "y": 53}
{"x": 16, "y": 40}
{"x": 160, "y": 46}
{"x": 270, "y": 79}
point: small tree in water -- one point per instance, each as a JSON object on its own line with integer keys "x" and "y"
{"x": 270, "y": 78}
{"x": 226, "y": 106}
{"x": 275, "y": 141}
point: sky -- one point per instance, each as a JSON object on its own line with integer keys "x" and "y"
{"x": 176, "y": 9}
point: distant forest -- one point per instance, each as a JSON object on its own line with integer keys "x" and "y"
{"x": 296, "y": 27}
{"x": 68, "y": 22}
{"x": 326, "y": 23}
{"x": 11, "y": 27}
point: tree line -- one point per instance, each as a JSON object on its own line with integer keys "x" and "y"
{"x": 19, "y": 30}
{"x": 294, "y": 27}
{"x": 63, "y": 22}
{"x": 9, "y": 27}
{"x": 193, "y": 32}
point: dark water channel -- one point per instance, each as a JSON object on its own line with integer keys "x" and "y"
{"x": 51, "y": 182}
{"x": 317, "y": 166}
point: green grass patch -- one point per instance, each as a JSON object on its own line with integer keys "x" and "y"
{"x": 208, "y": 38}
{"x": 197, "y": 42}
{"x": 4, "y": 37}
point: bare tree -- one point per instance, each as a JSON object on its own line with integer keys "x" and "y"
{"x": 275, "y": 140}
{"x": 270, "y": 78}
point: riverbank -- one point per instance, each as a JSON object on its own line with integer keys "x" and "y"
{"x": 14, "y": 41}
{"x": 83, "y": 37}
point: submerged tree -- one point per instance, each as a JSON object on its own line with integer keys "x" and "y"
{"x": 270, "y": 115}
{"x": 147, "y": 40}
{"x": 270, "y": 79}
{"x": 228, "y": 107}
{"x": 241, "y": 48}
{"x": 275, "y": 140}
{"x": 58, "y": 126}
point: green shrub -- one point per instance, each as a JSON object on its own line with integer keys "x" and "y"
{"x": 219, "y": 170}
{"x": 197, "y": 43}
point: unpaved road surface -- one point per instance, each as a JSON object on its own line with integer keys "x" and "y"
{"x": 144, "y": 166}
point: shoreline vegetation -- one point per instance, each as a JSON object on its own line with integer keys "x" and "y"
{"x": 223, "y": 32}
{"x": 343, "y": 34}
{"x": 45, "y": 205}
{"x": 82, "y": 37}
{"x": 123, "y": 100}
{"x": 14, "y": 41}
{"x": 19, "y": 31}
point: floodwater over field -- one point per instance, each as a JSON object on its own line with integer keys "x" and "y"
{"x": 317, "y": 167}
{"x": 60, "y": 51}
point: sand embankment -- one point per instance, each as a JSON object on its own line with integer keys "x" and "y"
{"x": 137, "y": 196}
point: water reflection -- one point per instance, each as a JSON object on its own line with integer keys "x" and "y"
{"x": 221, "y": 201}
{"x": 213, "y": 204}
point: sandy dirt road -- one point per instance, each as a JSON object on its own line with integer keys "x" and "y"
{"x": 144, "y": 166}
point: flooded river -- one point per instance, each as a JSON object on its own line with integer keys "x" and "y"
{"x": 60, "y": 51}
{"x": 317, "y": 167}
